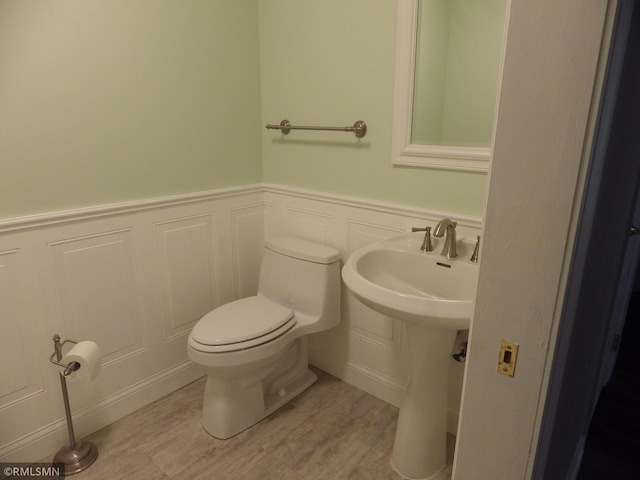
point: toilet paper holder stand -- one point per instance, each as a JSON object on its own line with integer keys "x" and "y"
{"x": 76, "y": 456}
{"x": 57, "y": 345}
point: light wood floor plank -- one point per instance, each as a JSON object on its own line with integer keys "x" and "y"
{"x": 332, "y": 431}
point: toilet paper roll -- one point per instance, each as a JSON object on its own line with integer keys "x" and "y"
{"x": 87, "y": 355}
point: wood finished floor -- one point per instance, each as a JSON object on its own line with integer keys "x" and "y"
{"x": 331, "y": 431}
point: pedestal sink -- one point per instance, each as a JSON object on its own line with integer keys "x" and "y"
{"x": 434, "y": 296}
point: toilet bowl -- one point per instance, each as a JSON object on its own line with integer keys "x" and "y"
{"x": 255, "y": 350}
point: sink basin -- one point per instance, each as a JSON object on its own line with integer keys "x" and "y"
{"x": 434, "y": 296}
{"x": 396, "y": 278}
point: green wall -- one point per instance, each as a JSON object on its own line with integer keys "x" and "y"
{"x": 331, "y": 62}
{"x": 115, "y": 100}
{"x": 106, "y": 101}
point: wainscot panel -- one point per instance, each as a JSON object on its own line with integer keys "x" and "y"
{"x": 134, "y": 277}
{"x": 367, "y": 349}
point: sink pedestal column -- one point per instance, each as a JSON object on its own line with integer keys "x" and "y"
{"x": 419, "y": 451}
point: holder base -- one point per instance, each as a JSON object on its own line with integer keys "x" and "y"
{"x": 75, "y": 460}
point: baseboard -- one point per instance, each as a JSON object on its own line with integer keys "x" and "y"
{"x": 46, "y": 441}
{"x": 378, "y": 385}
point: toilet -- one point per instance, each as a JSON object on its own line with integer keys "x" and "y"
{"x": 255, "y": 350}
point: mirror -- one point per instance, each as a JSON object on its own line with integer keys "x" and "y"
{"x": 448, "y": 66}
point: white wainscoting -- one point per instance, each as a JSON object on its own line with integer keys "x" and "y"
{"x": 367, "y": 349}
{"x": 133, "y": 277}
{"x": 136, "y": 276}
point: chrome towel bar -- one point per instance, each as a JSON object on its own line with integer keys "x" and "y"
{"x": 359, "y": 128}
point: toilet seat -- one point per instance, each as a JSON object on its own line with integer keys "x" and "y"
{"x": 241, "y": 324}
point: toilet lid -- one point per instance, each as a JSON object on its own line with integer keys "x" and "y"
{"x": 242, "y": 320}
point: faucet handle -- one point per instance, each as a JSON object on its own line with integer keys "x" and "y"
{"x": 476, "y": 250}
{"x": 426, "y": 244}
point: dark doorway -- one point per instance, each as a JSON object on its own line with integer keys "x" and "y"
{"x": 582, "y": 386}
{"x": 612, "y": 449}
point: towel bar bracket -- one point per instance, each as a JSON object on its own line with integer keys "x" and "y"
{"x": 284, "y": 127}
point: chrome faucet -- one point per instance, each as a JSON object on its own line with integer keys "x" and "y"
{"x": 447, "y": 228}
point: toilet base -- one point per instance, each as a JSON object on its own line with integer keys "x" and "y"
{"x": 273, "y": 401}
{"x": 229, "y": 408}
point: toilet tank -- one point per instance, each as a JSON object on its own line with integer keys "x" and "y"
{"x": 305, "y": 277}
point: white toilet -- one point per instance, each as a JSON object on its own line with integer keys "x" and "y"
{"x": 255, "y": 350}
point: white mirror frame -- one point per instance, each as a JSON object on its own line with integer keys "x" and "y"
{"x": 403, "y": 151}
